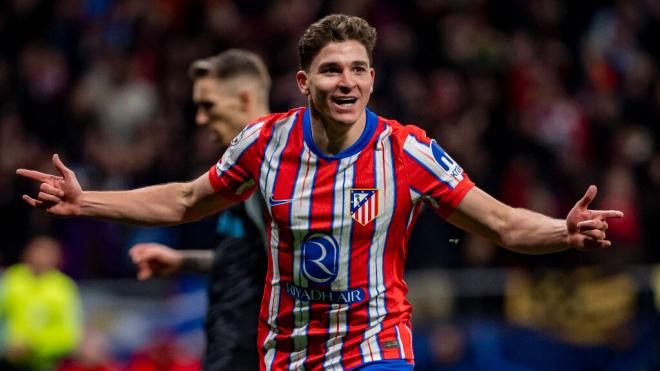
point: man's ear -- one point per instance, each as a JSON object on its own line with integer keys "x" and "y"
{"x": 246, "y": 99}
{"x": 373, "y": 80}
{"x": 302, "y": 80}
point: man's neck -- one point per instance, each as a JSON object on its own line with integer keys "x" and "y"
{"x": 333, "y": 137}
{"x": 258, "y": 112}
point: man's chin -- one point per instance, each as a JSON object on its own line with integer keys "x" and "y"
{"x": 346, "y": 118}
{"x": 215, "y": 138}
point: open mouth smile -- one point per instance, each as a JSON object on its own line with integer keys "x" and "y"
{"x": 345, "y": 102}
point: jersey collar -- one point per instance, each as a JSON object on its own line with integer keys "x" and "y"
{"x": 365, "y": 137}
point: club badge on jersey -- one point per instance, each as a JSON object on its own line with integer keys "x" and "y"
{"x": 364, "y": 205}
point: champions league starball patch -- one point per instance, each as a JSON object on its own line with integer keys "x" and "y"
{"x": 237, "y": 138}
{"x": 364, "y": 205}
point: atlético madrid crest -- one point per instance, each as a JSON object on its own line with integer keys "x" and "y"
{"x": 364, "y": 205}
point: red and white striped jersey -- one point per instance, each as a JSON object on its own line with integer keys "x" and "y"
{"x": 337, "y": 235}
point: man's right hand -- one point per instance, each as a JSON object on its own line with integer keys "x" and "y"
{"x": 58, "y": 195}
{"x": 154, "y": 260}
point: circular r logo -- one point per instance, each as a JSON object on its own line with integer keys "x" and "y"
{"x": 320, "y": 258}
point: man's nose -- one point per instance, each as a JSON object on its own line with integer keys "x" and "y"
{"x": 201, "y": 118}
{"x": 347, "y": 80}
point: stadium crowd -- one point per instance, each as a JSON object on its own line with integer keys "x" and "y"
{"x": 536, "y": 100}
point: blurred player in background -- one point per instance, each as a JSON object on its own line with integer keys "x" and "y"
{"x": 343, "y": 189}
{"x": 230, "y": 90}
{"x": 40, "y": 310}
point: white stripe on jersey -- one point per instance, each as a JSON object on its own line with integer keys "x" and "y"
{"x": 337, "y": 315}
{"x": 272, "y": 154}
{"x": 402, "y": 351}
{"x": 370, "y": 349}
{"x": 414, "y": 195}
{"x": 300, "y": 210}
{"x": 423, "y": 154}
{"x": 274, "y": 303}
{"x": 413, "y": 210}
{"x": 386, "y": 185}
{"x": 269, "y": 357}
{"x": 247, "y": 137}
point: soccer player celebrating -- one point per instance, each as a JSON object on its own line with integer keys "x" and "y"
{"x": 229, "y": 90}
{"x": 343, "y": 188}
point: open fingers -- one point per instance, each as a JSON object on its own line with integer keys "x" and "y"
{"x": 47, "y": 197}
{"x": 137, "y": 249}
{"x": 589, "y": 196}
{"x": 35, "y": 175}
{"x": 607, "y": 214}
{"x": 144, "y": 271}
{"x": 134, "y": 254}
{"x": 592, "y": 224}
{"x": 59, "y": 165}
{"x": 31, "y": 201}
{"x": 595, "y": 234}
{"x": 595, "y": 244}
{"x": 42, "y": 201}
{"x": 47, "y": 188}
{"x": 591, "y": 244}
{"x": 145, "y": 253}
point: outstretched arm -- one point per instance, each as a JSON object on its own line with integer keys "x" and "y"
{"x": 529, "y": 232}
{"x": 165, "y": 204}
{"x": 154, "y": 259}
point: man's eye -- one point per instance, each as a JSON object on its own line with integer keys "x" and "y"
{"x": 205, "y": 105}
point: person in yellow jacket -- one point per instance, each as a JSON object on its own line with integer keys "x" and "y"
{"x": 40, "y": 310}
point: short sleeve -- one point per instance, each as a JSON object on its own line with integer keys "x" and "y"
{"x": 433, "y": 175}
{"x": 233, "y": 176}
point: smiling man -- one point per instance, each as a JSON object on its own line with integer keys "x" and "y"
{"x": 354, "y": 183}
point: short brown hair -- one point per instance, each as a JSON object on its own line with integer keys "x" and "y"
{"x": 334, "y": 28}
{"x": 232, "y": 63}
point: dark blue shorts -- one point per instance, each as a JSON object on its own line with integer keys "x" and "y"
{"x": 387, "y": 365}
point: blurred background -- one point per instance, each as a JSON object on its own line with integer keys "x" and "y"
{"x": 536, "y": 100}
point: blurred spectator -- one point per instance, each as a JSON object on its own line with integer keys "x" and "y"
{"x": 93, "y": 354}
{"x": 463, "y": 347}
{"x": 620, "y": 193}
{"x": 584, "y": 306}
{"x": 163, "y": 355}
{"x": 586, "y": 317}
{"x": 39, "y": 308}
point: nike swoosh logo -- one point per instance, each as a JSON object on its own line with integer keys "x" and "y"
{"x": 273, "y": 202}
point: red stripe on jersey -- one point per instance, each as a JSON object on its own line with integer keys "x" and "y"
{"x": 405, "y": 338}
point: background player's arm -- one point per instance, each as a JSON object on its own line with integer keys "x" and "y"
{"x": 154, "y": 259}
{"x": 529, "y": 232}
{"x": 165, "y": 204}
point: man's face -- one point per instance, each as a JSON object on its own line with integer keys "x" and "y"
{"x": 339, "y": 81}
{"x": 219, "y": 108}
{"x": 43, "y": 254}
